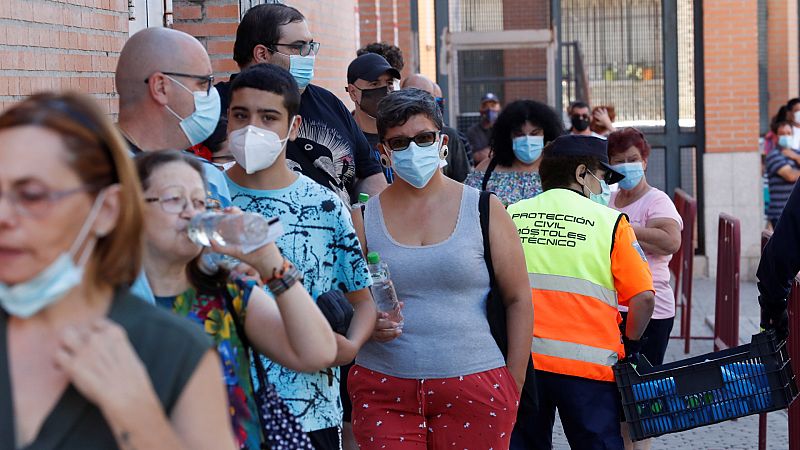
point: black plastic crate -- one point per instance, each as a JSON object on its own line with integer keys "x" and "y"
{"x": 711, "y": 388}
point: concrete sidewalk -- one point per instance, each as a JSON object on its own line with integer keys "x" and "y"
{"x": 739, "y": 434}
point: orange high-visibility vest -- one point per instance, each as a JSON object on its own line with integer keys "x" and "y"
{"x": 567, "y": 240}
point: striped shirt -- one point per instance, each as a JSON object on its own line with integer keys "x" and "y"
{"x": 779, "y": 188}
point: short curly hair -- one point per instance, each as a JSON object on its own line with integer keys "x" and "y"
{"x": 511, "y": 119}
{"x": 392, "y": 54}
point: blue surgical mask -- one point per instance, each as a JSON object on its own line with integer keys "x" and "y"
{"x": 202, "y": 122}
{"x": 633, "y": 173}
{"x": 416, "y": 165}
{"x": 785, "y": 141}
{"x": 302, "y": 69}
{"x": 29, "y": 297}
{"x": 528, "y": 148}
{"x": 605, "y": 192}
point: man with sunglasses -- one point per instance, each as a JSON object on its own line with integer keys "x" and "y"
{"x": 330, "y": 148}
{"x": 583, "y": 261}
{"x": 167, "y": 101}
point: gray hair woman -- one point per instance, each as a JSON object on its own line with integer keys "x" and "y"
{"x": 427, "y": 229}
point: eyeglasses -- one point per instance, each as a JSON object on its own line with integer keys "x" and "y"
{"x": 208, "y": 80}
{"x": 175, "y": 201}
{"x": 304, "y": 49}
{"x": 424, "y": 139}
{"x": 36, "y": 201}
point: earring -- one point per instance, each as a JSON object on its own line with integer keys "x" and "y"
{"x": 385, "y": 162}
{"x": 444, "y": 152}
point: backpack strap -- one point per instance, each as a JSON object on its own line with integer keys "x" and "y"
{"x": 483, "y": 210}
{"x": 488, "y": 174}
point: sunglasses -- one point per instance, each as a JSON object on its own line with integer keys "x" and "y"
{"x": 424, "y": 139}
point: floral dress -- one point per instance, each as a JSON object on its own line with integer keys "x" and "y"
{"x": 510, "y": 187}
{"x": 208, "y": 311}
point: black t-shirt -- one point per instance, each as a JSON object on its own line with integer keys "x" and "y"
{"x": 330, "y": 148}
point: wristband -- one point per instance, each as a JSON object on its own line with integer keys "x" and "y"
{"x": 283, "y": 279}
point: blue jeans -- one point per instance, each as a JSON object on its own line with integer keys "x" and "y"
{"x": 589, "y": 411}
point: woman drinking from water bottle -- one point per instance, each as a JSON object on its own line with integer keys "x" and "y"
{"x": 441, "y": 381}
{"x": 288, "y": 328}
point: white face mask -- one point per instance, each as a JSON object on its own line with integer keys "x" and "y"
{"x": 255, "y": 148}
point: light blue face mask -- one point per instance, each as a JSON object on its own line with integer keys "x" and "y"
{"x": 29, "y": 297}
{"x": 633, "y": 173}
{"x": 528, "y": 148}
{"x": 785, "y": 141}
{"x": 202, "y": 122}
{"x": 302, "y": 69}
{"x": 605, "y": 192}
{"x": 416, "y": 165}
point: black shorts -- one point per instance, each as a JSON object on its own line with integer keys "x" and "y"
{"x": 326, "y": 438}
{"x": 347, "y": 405}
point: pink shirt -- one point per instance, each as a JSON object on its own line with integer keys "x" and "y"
{"x": 655, "y": 204}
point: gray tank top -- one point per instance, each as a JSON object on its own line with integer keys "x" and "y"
{"x": 444, "y": 287}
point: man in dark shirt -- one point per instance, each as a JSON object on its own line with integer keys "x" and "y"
{"x": 480, "y": 134}
{"x": 330, "y": 148}
{"x": 370, "y": 78}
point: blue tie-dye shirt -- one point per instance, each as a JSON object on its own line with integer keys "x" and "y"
{"x": 320, "y": 240}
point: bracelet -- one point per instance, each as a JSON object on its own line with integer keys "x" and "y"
{"x": 284, "y": 278}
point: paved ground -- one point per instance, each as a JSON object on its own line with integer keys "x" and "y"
{"x": 742, "y": 433}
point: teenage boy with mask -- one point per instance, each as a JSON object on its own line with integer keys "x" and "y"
{"x": 319, "y": 237}
{"x": 330, "y": 148}
{"x": 370, "y": 78}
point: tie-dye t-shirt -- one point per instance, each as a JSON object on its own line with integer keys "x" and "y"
{"x": 320, "y": 240}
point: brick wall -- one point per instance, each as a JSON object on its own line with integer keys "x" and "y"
{"x": 61, "y": 45}
{"x": 518, "y": 15}
{"x": 730, "y": 35}
{"x": 333, "y": 24}
{"x": 782, "y": 52}
{"x": 389, "y": 21}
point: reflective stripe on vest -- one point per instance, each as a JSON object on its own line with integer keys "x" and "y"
{"x": 573, "y": 285}
{"x": 571, "y": 350}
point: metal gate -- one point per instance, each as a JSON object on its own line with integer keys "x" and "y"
{"x": 644, "y": 57}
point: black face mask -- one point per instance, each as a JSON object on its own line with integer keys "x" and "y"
{"x": 579, "y": 123}
{"x": 370, "y": 99}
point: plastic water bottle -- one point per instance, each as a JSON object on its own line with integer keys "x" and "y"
{"x": 383, "y": 289}
{"x": 249, "y": 230}
{"x": 361, "y": 203}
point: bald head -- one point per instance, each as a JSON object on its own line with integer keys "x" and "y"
{"x": 157, "y": 50}
{"x": 418, "y": 81}
{"x": 437, "y": 90}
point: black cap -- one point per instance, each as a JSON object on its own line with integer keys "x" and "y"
{"x": 578, "y": 145}
{"x": 489, "y": 97}
{"x": 369, "y": 67}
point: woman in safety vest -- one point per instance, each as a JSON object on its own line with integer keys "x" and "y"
{"x": 583, "y": 261}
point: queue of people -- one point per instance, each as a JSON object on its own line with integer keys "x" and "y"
{"x": 159, "y": 342}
